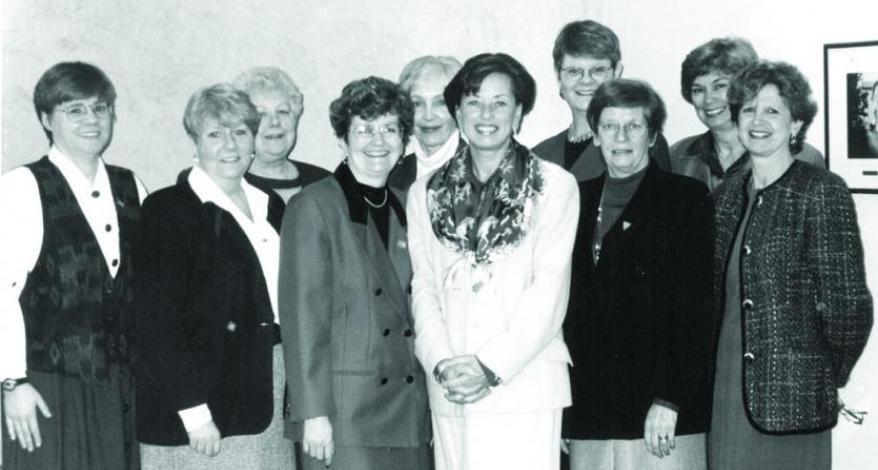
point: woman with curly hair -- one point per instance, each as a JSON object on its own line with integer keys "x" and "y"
{"x": 357, "y": 393}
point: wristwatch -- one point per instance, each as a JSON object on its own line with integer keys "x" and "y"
{"x": 10, "y": 384}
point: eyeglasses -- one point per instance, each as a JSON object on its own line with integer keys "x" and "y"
{"x": 632, "y": 129}
{"x": 78, "y": 112}
{"x": 368, "y": 131}
{"x": 597, "y": 73}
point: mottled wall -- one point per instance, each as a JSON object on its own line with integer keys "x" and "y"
{"x": 158, "y": 52}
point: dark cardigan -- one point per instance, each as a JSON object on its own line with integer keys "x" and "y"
{"x": 204, "y": 320}
{"x": 805, "y": 307}
{"x": 639, "y": 323}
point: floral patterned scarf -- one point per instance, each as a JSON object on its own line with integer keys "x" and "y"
{"x": 484, "y": 225}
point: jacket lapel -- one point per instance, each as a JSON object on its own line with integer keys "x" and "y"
{"x": 381, "y": 262}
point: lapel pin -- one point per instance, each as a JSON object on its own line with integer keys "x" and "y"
{"x": 625, "y": 225}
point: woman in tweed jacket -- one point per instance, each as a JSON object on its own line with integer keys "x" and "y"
{"x": 795, "y": 314}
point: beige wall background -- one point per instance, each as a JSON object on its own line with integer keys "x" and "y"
{"x": 159, "y": 52}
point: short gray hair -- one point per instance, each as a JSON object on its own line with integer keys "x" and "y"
{"x": 417, "y": 68}
{"x": 271, "y": 78}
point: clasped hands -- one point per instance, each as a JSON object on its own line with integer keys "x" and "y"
{"x": 464, "y": 378}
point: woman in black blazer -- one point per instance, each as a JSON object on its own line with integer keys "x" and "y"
{"x": 639, "y": 320}
{"x": 206, "y": 289}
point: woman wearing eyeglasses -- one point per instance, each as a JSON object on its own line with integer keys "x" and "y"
{"x": 586, "y": 54}
{"x": 639, "y": 319}
{"x": 66, "y": 284}
{"x": 357, "y": 393}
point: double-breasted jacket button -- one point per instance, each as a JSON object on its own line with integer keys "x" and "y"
{"x": 108, "y": 227}
{"x": 747, "y": 250}
{"x": 383, "y": 381}
{"x": 407, "y": 332}
{"x": 231, "y": 326}
{"x": 747, "y": 304}
{"x": 96, "y": 194}
{"x": 409, "y": 379}
{"x": 749, "y": 357}
{"x": 378, "y": 291}
{"x": 386, "y": 332}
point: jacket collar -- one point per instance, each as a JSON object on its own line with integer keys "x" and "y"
{"x": 357, "y": 207}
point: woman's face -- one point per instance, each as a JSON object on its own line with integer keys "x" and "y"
{"x": 277, "y": 129}
{"x": 709, "y": 97}
{"x": 765, "y": 124}
{"x": 373, "y": 147}
{"x": 433, "y": 123}
{"x": 489, "y": 117}
{"x": 624, "y": 140}
{"x": 224, "y": 150}
{"x": 580, "y": 76}
{"x": 81, "y": 128}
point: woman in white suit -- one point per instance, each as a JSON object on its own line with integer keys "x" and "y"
{"x": 490, "y": 235}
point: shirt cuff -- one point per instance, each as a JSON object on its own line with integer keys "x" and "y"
{"x": 195, "y": 417}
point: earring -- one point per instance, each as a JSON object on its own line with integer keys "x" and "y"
{"x": 793, "y": 139}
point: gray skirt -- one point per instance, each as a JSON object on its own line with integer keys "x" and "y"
{"x": 267, "y": 450}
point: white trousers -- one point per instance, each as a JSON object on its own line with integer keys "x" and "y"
{"x": 508, "y": 441}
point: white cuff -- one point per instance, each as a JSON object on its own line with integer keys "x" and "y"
{"x": 195, "y": 417}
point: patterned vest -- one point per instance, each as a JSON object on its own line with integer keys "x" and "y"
{"x": 77, "y": 316}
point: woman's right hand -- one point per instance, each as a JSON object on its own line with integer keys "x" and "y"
{"x": 206, "y": 440}
{"x": 20, "y": 409}
{"x": 317, "y": 439}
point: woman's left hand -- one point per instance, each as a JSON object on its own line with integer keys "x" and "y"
{"x": 658, "y": 431}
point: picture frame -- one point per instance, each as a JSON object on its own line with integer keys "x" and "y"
{"x": 850, "y": 77}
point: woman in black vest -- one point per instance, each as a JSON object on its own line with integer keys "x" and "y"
{"x": 66, "y": 269}
{"x": 211, "y": 374}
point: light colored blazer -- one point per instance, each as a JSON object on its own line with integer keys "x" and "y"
{"x": 513, "y": 323}
{"x": 347, "y": 331}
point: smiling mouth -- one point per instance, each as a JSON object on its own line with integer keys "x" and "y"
{"x": 275, "y": 136}
{"x": 377, "y": 154}
{"x": 486, "y": 129}
{"x": 714, "y": 112}
{"x": 90, "y": 135}
{"x": 622, "y": 152}
{"x": 759, "y": 134}
{"x": 429, "y": 129}
{"x": 588, "y": 93}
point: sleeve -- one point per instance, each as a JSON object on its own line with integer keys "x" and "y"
{"x": 164, "y": 287}
{"x": 685, "y": 351}
{"x": 21, "y": 216}
{"x": 542, "y": 306}
{"x": 835, "y": 254}
{"x": 432, "y": 343}
{"x": 305, "y": 308}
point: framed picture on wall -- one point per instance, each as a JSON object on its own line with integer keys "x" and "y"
{"x": 851, "y": 79}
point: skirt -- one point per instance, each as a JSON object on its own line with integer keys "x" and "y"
{"x": 92, "y": 426}
{"x": 268, "y": 450}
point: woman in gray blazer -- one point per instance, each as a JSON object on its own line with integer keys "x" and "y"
{"x": 357, "y": 393}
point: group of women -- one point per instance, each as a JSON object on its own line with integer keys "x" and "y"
{"x": 437, "y": 299}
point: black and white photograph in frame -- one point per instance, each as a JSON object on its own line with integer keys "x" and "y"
{"x": 851, "y": 80}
